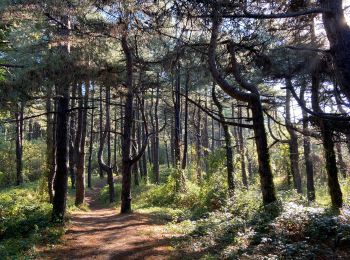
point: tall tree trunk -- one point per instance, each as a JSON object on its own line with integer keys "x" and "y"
{"x": 101, "y": 127}
{"x": 310, "y": 185}
{"x": 156, "y": 137}
{"x": 110, "y": 180}
{"x": 199, "y": 145}
{"x": 185, "y": 144}
{"x": 205, "y": 141}
{"x": 177, "y": 106}
{"x": 128, "y": 120}
{"x": 135, "y": 148}
{"x": 50, "y": 148}
{"x": 72, "y": 136}
{"x": 241, "y": 148}
{"x": 115, "y": 142}
{"x": 328, "y": 146}
{"x": 228, "y": 144}
{"x": 19, "y": 143}
{"x": 143, "y": 134}
{"x": 62, "y": 136}
{"x": 293, "y": 141}
{"x": 80, "y": 173}
{"x": 91, "y": 143}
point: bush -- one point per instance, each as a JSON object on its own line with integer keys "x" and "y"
{"x": 25, "y": 221}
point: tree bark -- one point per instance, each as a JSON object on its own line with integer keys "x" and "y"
{"x": 253, "y": 99}
{"x": 128, "y": 120}
{"x": 50, "y": 148}
{"x": 91, "y": 137}
{"x": 338, "y": 34}
{"x": 19, "y": 143}
{"x": 156, "y": 137}
{"x": 228, "y": 144}
{"x": 185, "y": 140}
{"x": 241, "y": 149}
{"x": 72, "y": 136}
{"x": 80, "y": 172}
{"x": 293, "y": 141}
{"x": 328, "y": 146}
{"x": 177, "y": 104}
{"x": 310, "y": 185}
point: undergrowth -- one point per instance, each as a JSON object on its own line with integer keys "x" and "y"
{"x": 25, "y": 222}
{"x": 207, "y": 223}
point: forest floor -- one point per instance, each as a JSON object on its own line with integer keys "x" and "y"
{"x": 103, "y": 233}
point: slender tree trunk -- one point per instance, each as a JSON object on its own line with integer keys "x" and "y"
{"x": 80, "y": 173}
{"x": 228, "y": 144}
{"x": 177, "y": 105}
{"x": 241, "y": 148}
{"x": 205, "y": 141}
{"x": 328, "y": 146}
{"x": 310, "y": 185}
{"x": 185, "y": 144}
{"x": 212, "y": 132}
{"x": 293, "y": 141}
{"x": 143, "y": 134}
{"x": 101, "y": 127}
{"x": 156, "y": 137}
{"x": 91, "y": 143}
{"x": 110, "y": 180}
{"x": 115, "y": 142}
{"x": 167, "y": 153}
{"x": 72, "y": 133}
{"x": 199, "y": 145}
{"x": 50, "y": 149}
{"x": 19, "y": 143}
{"x": 135, "y": 148}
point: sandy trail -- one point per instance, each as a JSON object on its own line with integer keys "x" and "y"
{"x": 103, "y": 233}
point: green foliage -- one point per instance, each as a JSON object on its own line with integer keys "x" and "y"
{"x": 216, "y": 161}
{"x": 34, "y": 166}
{"x": 25, "y": 222}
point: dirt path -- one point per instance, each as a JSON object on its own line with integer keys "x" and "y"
{"x": 103, "y": 233}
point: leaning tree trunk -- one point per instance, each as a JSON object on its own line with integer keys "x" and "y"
{"x": 252, "y": 97}
{"x": 293, "y": 141}
{"x": 228, "y": 144}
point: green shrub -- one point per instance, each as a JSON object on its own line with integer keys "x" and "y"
{"x": 25, "y": 221}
